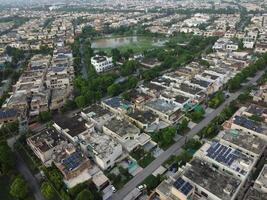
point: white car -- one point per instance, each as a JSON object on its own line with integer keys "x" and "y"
{"x": 113, "y": 189}
{"x": 141, "y": 187}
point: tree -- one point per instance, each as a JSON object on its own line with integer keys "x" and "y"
{"x": 129, "y": 67}
{"x": 19, "y": 188}
{"x": 116, "y": 55}
{"x": 80, "y": 101}
{"x": 85, "y": 195}
{"x": 54, "y": 176}
{"x": 7, "y": 160}
{"x": 131, "y": 83}
{"x": 114, "y": 89}
{"x": 196, "y": 116}
{"x": 183, "y": 125}
{"x": 216, "y": 100}
{"x": 45, "y": 116}
{"x": 47, "y": 190}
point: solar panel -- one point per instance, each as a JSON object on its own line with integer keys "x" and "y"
{"x": 178, "y": 183}
{"x": 72, "y": 161}
{"x": 186, "y": 188}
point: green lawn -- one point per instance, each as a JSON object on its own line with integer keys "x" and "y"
{"x": 4, "y": 185}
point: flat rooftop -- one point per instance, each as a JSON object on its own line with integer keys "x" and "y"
{"x": 145, "y": 117}
{"x": 163, "y": 81}
{"x": 249, "y": 124}
{"x": 247, "y": 141}
{"x": 74, "y": 125}
{"x": 183, "y": 186}
{"x": 17, "y": 99}
{"x": 254, "y": 194}
{"x": 103, "y": 145}
{"x": 47, "y": 139}
{"x": 162, "y": 106}
{"x": 262, "y": 178}
{"x": 208, "y": 75}
{"x": 96, "y": 111}
{"x": 122, "y": 127}
{"x": 181, "y": 99}
{"x": 153, "y": 86}
{"x": 218, "y": 183}
{"x": 73, "y": 161}
{"x": 256, "y": 110}
{"x": 201, "y": 83}
{"x": 227, "y": 156}
{"x": 8, "y": 113}
{"x": 189, "y": 89}
{"x": 99, "y": 58}
{"x": 116, "y": 102}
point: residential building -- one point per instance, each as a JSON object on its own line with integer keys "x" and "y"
{"x": 226, "y": 158}
{"x": 98, "y": 115}
{"x": 45, "y": 143}
{"x": 128, "y": 135}
{"x": 73, "y": 127}
{"x": 146, "y": 120}
{"x": 117, "y": 105}
{"x": 167, "y": 111}
{"x": 72, "y": 163}
{"x": 247, "y": 143}
{"x": 199, "y": 180}
{"x": 102, "y": 63}
{"x": 102, "y": 148}
{"x": 249, "y": 126}
{"x": 8, "y": 116}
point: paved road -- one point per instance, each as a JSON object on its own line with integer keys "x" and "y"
{"x": 177, "y": 147}
{"x": 84, "y": 66}
{"x": 26, "y": 173}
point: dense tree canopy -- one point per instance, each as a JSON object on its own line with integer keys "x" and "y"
{"x": 19, "y": 188}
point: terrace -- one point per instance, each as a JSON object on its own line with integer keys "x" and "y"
{"x": 229, "y": 157}
{"x": 162, "y": 106}
{"x": 218, "y": 183}
{"x": 189, "y": 89}
{"x": 249, "y": 124}
{"x": 243, "y": 140}
{"x": 73, "y": 125}
{"x": 201, "y": 83}
{"x": 122, "y": 127}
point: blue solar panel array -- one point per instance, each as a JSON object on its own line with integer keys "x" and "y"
{"x": 183, "y": 186}
{"x": 249, "y": 124}
{"x": 7, "y": 113}
{"x": 221, "y": 153}
{"x": 73, "y": 161}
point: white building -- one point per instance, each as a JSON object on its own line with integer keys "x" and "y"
{"x": 102, "y": 148}
{"x": 227, "y": 158}
{"x": 102, "y": 63}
